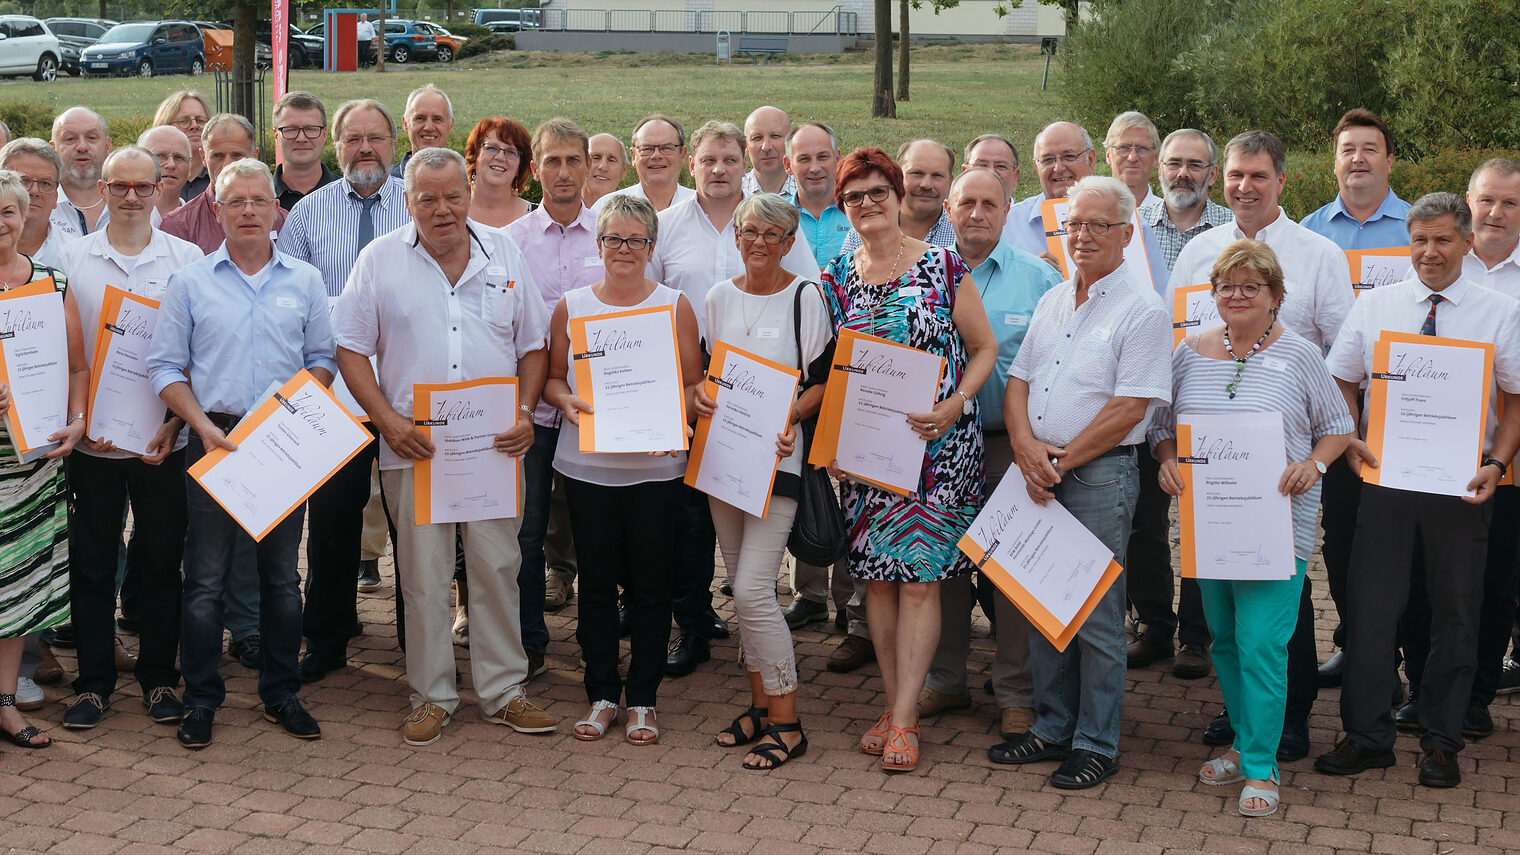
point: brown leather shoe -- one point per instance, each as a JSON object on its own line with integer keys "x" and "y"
{"x": 932, "y": 703}
{"x": 126, "y": 660}
{"x": 851, "y": 653}
{"x": 49, "y": 673}
{"x": 1016, "y": 721}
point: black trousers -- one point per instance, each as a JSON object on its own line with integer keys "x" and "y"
{"x": 624, "y": 536}
{"x": 1149, "y": 568}
{"x": 100, "y": 489}
{"x": 335, "y": 527}
{"x": 1340, "y": 496}
{"x": 1452, "y": 538}
{"x": 691, "y": 584}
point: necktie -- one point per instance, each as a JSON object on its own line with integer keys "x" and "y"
{"x": 1429, "y": 327}
{"x": 367, "y": 224}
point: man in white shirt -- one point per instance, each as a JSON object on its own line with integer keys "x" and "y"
{"x": 428, "y": 121}
{"x": 1450, "y": 532}
{"x": 659, "y": 151}
{"x": 364, "y": 33}
{"x": 1132, "y": 148}
{"x": 609, "y": 163}
{"x": 1315, "y": 274}
{"x": 1493, "y": 193}
{"x": 82, "y": 141}
{"x": 439, "y": 302}
{"x": 765, "y": 134}
{"x": 1094, "y": 359}
{"x": 41, "y": 172}
{"x": 130, "y": 255}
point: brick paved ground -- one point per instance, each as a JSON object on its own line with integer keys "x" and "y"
{"x": 128, "y": 787}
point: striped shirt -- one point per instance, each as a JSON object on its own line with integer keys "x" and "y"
{"x": 1289, "y": 377}
{"x": 323, "y": 228}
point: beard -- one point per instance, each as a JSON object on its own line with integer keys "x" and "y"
{"x": 76, "y": 174}
{"x": 366, "y": 176}
{"x": 1182, "y": 195}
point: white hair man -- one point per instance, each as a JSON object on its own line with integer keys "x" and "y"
{"x": 427, "y": 120}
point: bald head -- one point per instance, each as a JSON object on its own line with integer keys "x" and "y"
{"x": 608, "y": 163}
{"x": 978, "y": 209}
{"x": 765, "y": 133}
{"x": 1063, "y": 155}
{"x": 172, "y": 148}
{"x": 82, "y": 141}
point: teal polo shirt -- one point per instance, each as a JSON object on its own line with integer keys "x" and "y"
{"x": 1011, "y": 282}
{"x": 824, "y": 234}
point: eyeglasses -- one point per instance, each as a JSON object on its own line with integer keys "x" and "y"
{"x": 42, "y": 185}
{"x": 241, "y": 204}
{"x": 613, "y": 242}
{"x": 119, "y": 189}
{"x": 1051, "y": 160}
{"x": 189, "y": 122}
{"x": 994, "y": 165}
{"x": 1127, "y": 150}
{"x": 374, "y": 140}
{"x": 771, "y": 238}
{"x": 666, "y": 149}
{"x": 1247, "y": 290}
{"x": 1176, "y": 165}
{"x": 1093, "y": 229}
{"x": 291, "y": 132}
{"x": 508, "y": 153}
{"x": 854, "y": 198}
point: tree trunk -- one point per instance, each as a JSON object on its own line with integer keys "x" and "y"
{"x": 882, "y": 105}
{"x": 902, "y": 54}
{"x": 385, "y": 45}
{"x": 244, "y": 18}
{"x": 1072, "y": 13}
{"x": 102, "y": 9}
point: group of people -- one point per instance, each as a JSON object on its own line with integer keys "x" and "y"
{"x": 1061, "y": 371}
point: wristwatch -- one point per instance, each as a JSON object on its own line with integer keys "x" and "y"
{"x": 1318, "y": 464}
{"x": 965, "y": 402}
{"x": 1494, "y": 461}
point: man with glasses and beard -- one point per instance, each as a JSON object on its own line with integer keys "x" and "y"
{"x": 1189, "y": 165}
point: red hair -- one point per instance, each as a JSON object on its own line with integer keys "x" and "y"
{"x": 862, "y": 162}
{"x": 508, "y": 131}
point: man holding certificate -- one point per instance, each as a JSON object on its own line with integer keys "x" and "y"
{"x": 439, "y": 302}
{"x": 1434, "y": 453}
{"x": 1094, "y": 359}
{"x": 234, "y": 324}
{"x": 130, "y": 452}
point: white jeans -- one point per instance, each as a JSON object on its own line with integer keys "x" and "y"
{"x": 424, "y": 569}
{"x": 752, "y": 549}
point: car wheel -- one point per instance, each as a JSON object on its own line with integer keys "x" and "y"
{"x": 197, "y": 65}
{"x": 400, "y": 54}
{"x": 145, "y": 68}
{"x": 445, "y": 53}
{"x": 295, "y": 58}
{"x": 47, "y": 68}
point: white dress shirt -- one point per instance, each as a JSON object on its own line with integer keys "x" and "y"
{"x": 1503, "y": 277}
{"x": 691, "y": 255}
{"x": 1117, "y": 344}
{"x": 1315, "y": 274}
{"x": 682, "y": 194}
{"x": 400, "y": 308}
{"x": 1470, "y": 312}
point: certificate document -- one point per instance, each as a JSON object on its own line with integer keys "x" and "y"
{"x": 872, "y": 386}
{"x": 733, "y": 457}
{"x": 628, "y": 368}
{"x": 34, "y": 362}
{"x": 1044, "y": 560}
{"x": 1374, "y": 268}
{"x": 1235, "y": 523}
{"x": 1427, "y": 407}
{"x": 290, "y": 444}
{"x": 123, "y": 408}
{"x": 1193, "y": 311}
{"x": 1053, "y": 214}
{"x": 466, "y": 479}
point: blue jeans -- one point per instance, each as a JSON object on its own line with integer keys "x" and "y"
{"x": 1079, "y": 692}
{"x": 213, "y": 541}
{"x": 538, "y": 477}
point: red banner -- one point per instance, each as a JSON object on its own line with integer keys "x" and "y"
{"x": 279, "y": 48}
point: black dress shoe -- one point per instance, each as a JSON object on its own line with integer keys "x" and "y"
{"x": 1407, "y": 718}
{"x": 1330, "y": 672}
{"x": 1351, "y": 757}
{"x": 718, "y": 630}
{"x": 1477, "y": 723}
{"x": 1439, "y": 769}
{"x": 294, "y": 718}
{"x": 195, "y": 729}
{"x": 1294, "y": 744}
{"x": 1219, "y": 731}
{"x": 686, "y": 654}
{"x": 315, "y": 666}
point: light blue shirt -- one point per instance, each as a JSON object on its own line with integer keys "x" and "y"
{"x": 231, "y": 336}
{"x": 1383, "y": 229}
{"x": 1011, "y": 282}
{"x": 1026, "y": 230}
{"x": 824, "y": 234}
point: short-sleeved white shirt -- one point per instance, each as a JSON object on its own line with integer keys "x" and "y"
{"x": 399, "y": 308}
{"x": 1503, "y": 277}
{"x": 1315, "y": 274}
{"x": 1470, "y": 312}
{"x": 637, "y": 190}
{"x": 1117, "y": 344}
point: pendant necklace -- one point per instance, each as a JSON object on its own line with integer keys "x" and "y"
{"x": 1240, "y": 361}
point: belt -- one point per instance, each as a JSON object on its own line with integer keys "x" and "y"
{"x": 224, "y": 422}
{"x": 1121, "y": 450}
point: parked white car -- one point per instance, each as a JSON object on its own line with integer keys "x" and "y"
{"x": 27, "y": 46}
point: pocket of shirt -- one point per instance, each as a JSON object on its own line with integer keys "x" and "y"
{"x": 496, "y": 305}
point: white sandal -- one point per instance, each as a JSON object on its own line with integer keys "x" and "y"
{"x": 1225, "y": 772}
{"x": 638, "y": 719}
{"x": 591, "y": 721}
{"x": 1271, "y": 797}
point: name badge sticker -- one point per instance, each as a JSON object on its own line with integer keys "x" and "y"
{"x": 768, "y": 332}
{"x": 1013, "y": 320}
{"x": 593, "y": 261}
{"x": 910, "y": 291}
{"x": 1272, "y": 362}
{"x": 286, "y": 302}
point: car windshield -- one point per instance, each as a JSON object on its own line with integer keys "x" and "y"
{"x": 128, "y": 33}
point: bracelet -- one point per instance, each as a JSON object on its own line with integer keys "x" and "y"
{"x": 1494, "y": 461}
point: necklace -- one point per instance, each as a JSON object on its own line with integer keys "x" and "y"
{"x": 749, "y": 325}
{"x": 1240, "y": 361}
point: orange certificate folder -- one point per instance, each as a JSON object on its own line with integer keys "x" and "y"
{"x": 129, "y": 414}
{"x": 1427, "y": 409}
{"x": 733, "y": 457}
{"x": 1193, "y": 310}
{"x": 1374, "y": 268}
{"x": 466, "y": 479}
{"x": 628, "y": 369}
{"x": 873, "y": 384}
{"x": 288, "y": 446}
{"x": 34, "y": 362}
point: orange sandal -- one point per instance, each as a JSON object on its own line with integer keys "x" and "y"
{"x": 897, "y": 743}
{"x": 879, "y": 729}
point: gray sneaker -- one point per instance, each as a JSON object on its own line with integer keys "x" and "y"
{"x": 803, "y": 611}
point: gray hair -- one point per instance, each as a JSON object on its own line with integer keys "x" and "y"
{"x": 433, "y": 158}
{"x": 769, "y": 208}
{"x": 1256, "y": 142}
{"x": 62, "y": 117}
{"x": 246, "y": 168}
{"x": 1181, "y": 133}
{"x": 12, "y": 190}
{"x": 833, "y": 139}
{"x": 998, "y": 137}
{"x": 34, "y": 147}
{"x": 1129, "y": 121}
{"x": 5, "y": 131}
{"x": 614, "y": 137}
{"x": 633, "y": 207}
{"x": 661, "y": 117}
{"x": 348, "y": 108}
{"x": 716, "y": 130}
{"x": 148, "y": 134}
{"x": 428, "y": 89}
{"x": 1434, "y": 206}
{"x": 1107, "y": 188}
{"x": 216, "y": 124}
{"x": 128, "y": 152}
{"x": 1501, "y": 166}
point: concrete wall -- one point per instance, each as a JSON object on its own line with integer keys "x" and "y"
{"x": 677, "y": 42}
{"x": 972, "y": 18}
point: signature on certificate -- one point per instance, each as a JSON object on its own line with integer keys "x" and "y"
{"x": 1242, "y": 556}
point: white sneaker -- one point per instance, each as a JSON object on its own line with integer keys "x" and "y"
{"x": 28, "y": 694}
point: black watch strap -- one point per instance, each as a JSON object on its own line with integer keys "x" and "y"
{"x": 1494, "y": 461}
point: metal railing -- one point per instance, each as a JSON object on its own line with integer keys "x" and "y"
{"x": 834, "y": 21}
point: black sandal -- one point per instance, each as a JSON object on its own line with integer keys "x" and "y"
{"x": 23, "y": 737}
{"x": 777, "y": 752}
{"x": 1083, "y": 769}
{"x": 753, "y": 715}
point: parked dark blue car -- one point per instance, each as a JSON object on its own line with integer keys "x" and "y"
{"x": 146, "y": 48}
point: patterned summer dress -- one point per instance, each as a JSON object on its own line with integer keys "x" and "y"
{"x": 895, "y": 538}
{"x": 34, "y": 533}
